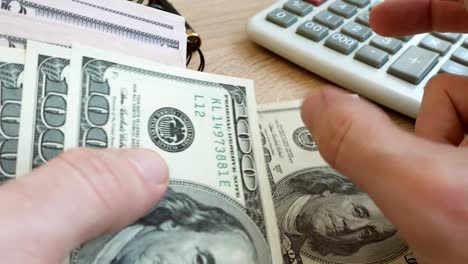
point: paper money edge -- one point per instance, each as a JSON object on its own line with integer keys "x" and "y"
{"x": 28, "y": 121}
{"x": 11, "y": 55}
{"x": 276, "y": 106}
{"x": 264, "y": 185}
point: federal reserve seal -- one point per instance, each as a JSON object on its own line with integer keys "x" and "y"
{"x": 171, "y": 130}
{"x": 304, "y": 140}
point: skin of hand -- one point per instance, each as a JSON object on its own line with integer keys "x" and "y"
{"x": 419, "y": 181}
{"x": 74, "y": 198}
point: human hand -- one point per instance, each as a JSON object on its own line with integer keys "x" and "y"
{"x": 74, "y": 198}
{"x": 419, "y": 181}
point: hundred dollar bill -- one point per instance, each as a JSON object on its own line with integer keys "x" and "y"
{"x": 11, "y": 86}
{"x": 108, "y": 20}
{"x": 44, "y": 108}
{"x": 219, "y": 208}
{"x": 321, "y": 215}
{"x": 17, "y": 29}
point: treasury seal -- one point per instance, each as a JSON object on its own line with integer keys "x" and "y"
{"x": 171, "y": 130}
{"x": 304, "y": 140}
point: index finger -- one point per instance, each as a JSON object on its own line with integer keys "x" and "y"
{"x": 403, "y": 17}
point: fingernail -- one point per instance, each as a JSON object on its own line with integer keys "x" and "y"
{"x": 149, "y": 164}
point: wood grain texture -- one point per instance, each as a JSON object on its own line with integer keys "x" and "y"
{"x": 228, "y": 51}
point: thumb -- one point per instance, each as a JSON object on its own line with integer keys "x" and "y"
{"x": 418, "y": 184}
{"x": 74, "y": 198}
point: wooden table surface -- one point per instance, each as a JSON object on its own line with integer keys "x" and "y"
{"x": 228, "y": 51}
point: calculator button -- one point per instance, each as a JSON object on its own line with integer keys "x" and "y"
{"x": 356, "y": 31}
{"x": 435, "y": 44}
{"x": 465, "y": 43}
{"x": 363, "y": 18}
{"x": 313, "y": 31}
{"x": 414, "y": 64}
{"x": 375, "y": 4}
{"x": 461, "y": 56}
{"x": 316, "y": 2}
{"x": 298, "y": 7}
{"x": 281, "y": 18}
{"x": 390, "y": 45}
{"x": 454, "y": 68}
{"x": 452, "y": 37}
{"x": 372, "y": 56}
{"x": 341, "y": 43}
{"x": 343, "y": 9}
{"x": 328, "y": 19}
{"x": 359, "y": 3}
{"x": 405, "y": 38}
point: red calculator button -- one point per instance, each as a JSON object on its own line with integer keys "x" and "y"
{"x": 316, "y": 2}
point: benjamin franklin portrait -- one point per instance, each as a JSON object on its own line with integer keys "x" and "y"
{"x": 179, "y": 230}
{"x": 321, "y": 212}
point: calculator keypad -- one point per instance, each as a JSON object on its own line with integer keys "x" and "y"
{"x": 343, "y": 26}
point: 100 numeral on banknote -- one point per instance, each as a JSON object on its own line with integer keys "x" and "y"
{"x": 205, "y": 127}
{"x": 11, "y": 86}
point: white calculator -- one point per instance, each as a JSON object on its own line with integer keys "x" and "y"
{"x": 333, "y": 39}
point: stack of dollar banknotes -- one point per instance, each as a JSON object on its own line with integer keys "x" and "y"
{"x": 248, "y": 184}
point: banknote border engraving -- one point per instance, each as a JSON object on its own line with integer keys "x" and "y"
{"x": 127, "y": 15}
{"x": 12, "y": 39}
{"x": 160, "y": 142}
{"x": 3, "y": 137}
{"x": 53, "y": 13}
{"x": 386, "y": 260}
